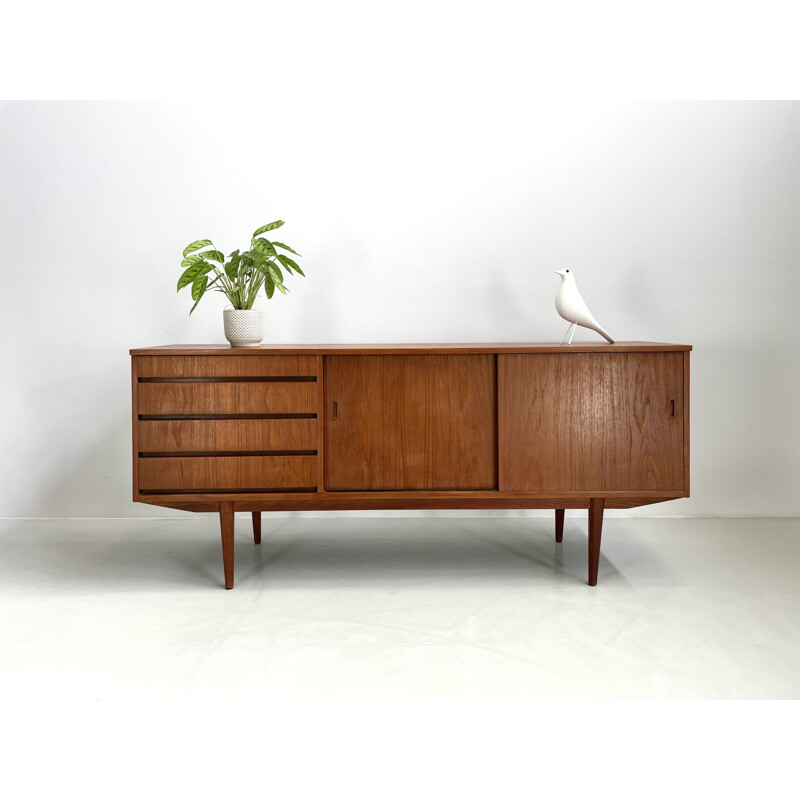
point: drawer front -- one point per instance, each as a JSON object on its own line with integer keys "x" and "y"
{"x": 268, "y": 397}
{"x": 227, "y": 435}
{"x": 222, "y": 473}
{"x": 226, "y": 366}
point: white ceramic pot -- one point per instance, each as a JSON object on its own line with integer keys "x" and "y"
{"x": 243, "y": 328}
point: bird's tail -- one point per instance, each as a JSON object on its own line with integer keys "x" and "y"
{"x": 605, "y": 335}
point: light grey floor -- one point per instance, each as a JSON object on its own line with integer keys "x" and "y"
{"x": 403, "y": 607}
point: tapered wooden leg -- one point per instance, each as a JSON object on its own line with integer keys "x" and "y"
{"x": 559, "y": 524}
{"x": 226, "y": 526}
{"x": 596, "y": 506}
{"x": 257, "y": 527}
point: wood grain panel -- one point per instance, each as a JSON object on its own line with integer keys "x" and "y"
{"x": 227, "y": 398}
{"x": 197, "y": 435}
{"x": 410, "y": 422}
{"x": 135, "y": 425}
{"x": 592, "y": 422}
{"x": 225, "y": 366}
{"x": 642, "y": 446}
{"x": 686, "y": 433}
{"x": 222, "y": 473}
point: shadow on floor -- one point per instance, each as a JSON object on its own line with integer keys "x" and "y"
{"x": 132, "y": 554}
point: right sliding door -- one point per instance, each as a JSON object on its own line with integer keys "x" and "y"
{"x": 591, "y": 422}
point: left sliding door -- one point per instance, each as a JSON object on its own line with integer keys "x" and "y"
{"x": 410, "y": 422}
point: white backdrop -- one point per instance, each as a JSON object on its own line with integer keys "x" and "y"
{"x": 424, "y": 215}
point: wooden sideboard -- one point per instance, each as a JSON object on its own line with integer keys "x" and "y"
{"x": 294, "y": 427}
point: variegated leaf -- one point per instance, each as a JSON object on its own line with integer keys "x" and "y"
{"x": 192, "y": 272}
{"x": 276, "y": 273}
{"x": 232, "y": 267}
{"x": 290, "y": 264}
{"x": 270, "y": 227}
{"x": 199, "y": 244}
{"x": 214, "y": 255}
{"x": 264, "y": 248}
{"x": 285, "y": 247}
{"x": 199, "y": 286}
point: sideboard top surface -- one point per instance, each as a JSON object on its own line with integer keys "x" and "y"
{"x": 389, "y": 349}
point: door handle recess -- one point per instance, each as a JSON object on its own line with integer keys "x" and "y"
{"x": 671, "y": 408}
{"x": 335, "y": 413}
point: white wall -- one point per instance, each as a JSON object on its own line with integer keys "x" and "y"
{"x": 424, "y": 215}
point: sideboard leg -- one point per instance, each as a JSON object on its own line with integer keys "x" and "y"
{"x": 226, "y": 525}
{"x": 257, "y": 527}
{"x": 559, "y": 524}
{"x": 596, "y": 506}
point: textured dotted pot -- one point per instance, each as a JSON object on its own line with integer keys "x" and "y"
{"x": 243, "y": 328}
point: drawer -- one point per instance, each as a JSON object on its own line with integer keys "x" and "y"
{"x": 223, "y": 473}
{"x": 270, "y": 397}
{"x": 226, "y": 435}
{"x": 226, "y": 366}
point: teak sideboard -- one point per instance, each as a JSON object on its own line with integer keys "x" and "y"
{"x": 294, "y": 427}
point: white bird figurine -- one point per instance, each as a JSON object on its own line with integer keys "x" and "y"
{"x": 572, "y": 307}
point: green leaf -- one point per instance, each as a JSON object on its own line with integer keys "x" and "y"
{"x": 232, "y": 267}
{"x": 286, "y": 247}
{"x": 208, "y": 286}
{"x": 199, "y": 287}
{"x": 263, "y": 268}
{"x": 275, "y": 272}
{"x": 187, "y": 262}
{"x": 193, "y": 272}
{"x": 269, "y": 288}
{"x": 287, "y": 267}
{"x": 270, "y": 227}
{"x": 200, "y": 243}
{"x": 289, "y": 264}
{"x": 264, "y": 248}
{"x": 249, "y": 265}
{"x": 214, "y": 255}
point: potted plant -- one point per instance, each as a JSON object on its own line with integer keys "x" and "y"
{"x": 240, "y": 279}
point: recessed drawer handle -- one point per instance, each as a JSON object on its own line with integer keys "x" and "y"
{"x": 672, "y": 408}
{"x": 335, "y": 410}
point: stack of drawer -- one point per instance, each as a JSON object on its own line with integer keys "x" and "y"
{"x": 226, "y": 423}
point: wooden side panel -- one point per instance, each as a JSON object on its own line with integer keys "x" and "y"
{"x": 219, "y": 474}
{"x": 410, "y": 422}
{"x": 592, "y": 422}
{"x": 227, "y": 398}
{"x": 199, "y": 435}
{"x": 135, "y": 424}
{"x": 686, "y": 437}
{"x": 225, "y": 366}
